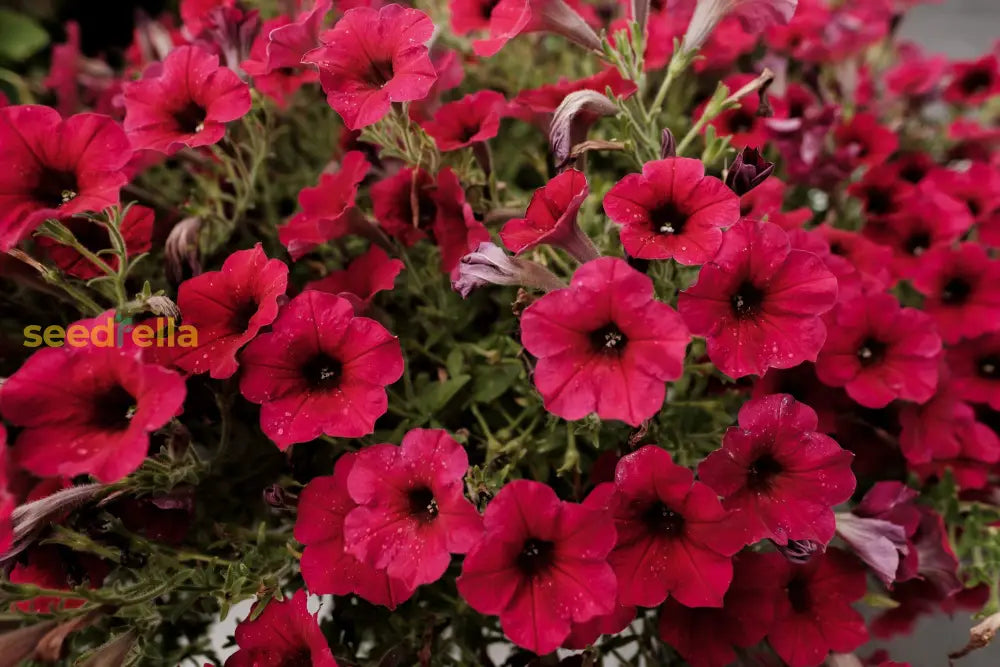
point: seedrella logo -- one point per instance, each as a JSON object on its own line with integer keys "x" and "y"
{"x": 114, "y": 331}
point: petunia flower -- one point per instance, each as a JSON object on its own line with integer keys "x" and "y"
{"x": 864, "y": 141}
{"x": 136, "y": 229}
{"x": 604, "y": 344}
{"x": 372, "y": 58}
{"x": 674, "y": 537}
{"x": 872, "y": 261}
{"x": 404, "y": 206}
{"x": 747, "y": 171}
{"x": 879, "y": 352}
{"x": 975, "y": 370}
{"x": 470, "y": 15}
{"x": 320, "y": 370}
{"x": 766, "y": 202}
{"x": 778, "y": 473}
{"x": 746, "y": 124}
{"x": 672, "y": 210}
{"x": 551, "y": 219}
{"x": 706, "y": 636}
{"x": 278, "y": 83}
{"x": 228, "y": 308}
{"x": 488, "y": 264}
{"x": 541, "y": 565}
{"x": 55, "y": 567}
{"x": 879, "y": 530}
{"x": 815, "y": 616}
{"x": 366, "y": 275}
{"x": 284, "y": 633}
{"x": 510, "y": 18}
{"x": 88, "y": 410}
{"x": 326, "y": 207}
{"x": 759, "y": 302}
{"x": 287, "y": 44}
{"x": 327, "y": 566}
{"x": 973, "y": 82}
{"x": 931, "y": 430}
{"x": 539, "y": 103}
{"x": 961, "y": 287}
{"x": 755, "y": 16}
{"x": 883, "y": 194}
{"x": 473, "y": 119}
{"x": 979, "y": 449}
{"x": 455, "y": 228}
{"x": 55, "y": 168}
{"x": 184, "y": 101}
{"x": 412, "y": 513}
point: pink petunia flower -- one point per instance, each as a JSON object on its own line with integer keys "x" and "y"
{"x": 327, "y": 567}
{"x": 674, "y": 537}
{"x": 541, "y": 565}
{"x": 604, "y": 344}
{"x": 184, "y": 101}
{"x": 88, "y": 409}
{"x": 510, "y": 18}
{"x": 320, "y": 370}
{"x": 285, "y": 633}
{"x": 759, "y": 302}
{"x": 978, "y": 450}
{"x": 278, "y": 83}
{"x": 473, "y": 119}
{"x": 865, "y": 141}
{"x": 975, "y": 370}
{"x": 404, "y": 206}
{"x": 974, "y": 82}
{"x": 961, "y": 287}
{"x": 931, "y": 430}
{"x": 879, "y": 352}
{"x": 366, "y": 275}
{"x": 672, "y": 210}
{"x": 779, "y": 474}
{"x": 372, "y": 58}
{"x": 55, "y": 168}
{"x": 228, "y": 308}
{"x": 551, "y": 219}
{"x": 412, "y": 513}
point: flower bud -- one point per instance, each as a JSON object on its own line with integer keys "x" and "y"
{"x": 748, "y": 170}
{"x": 489, "y": 264}
{"x": 668, "y": 144}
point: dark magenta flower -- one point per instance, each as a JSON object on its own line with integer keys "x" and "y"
{"x": 961, "y": 287}
{"x": 320, "y": 370}
{"x": 541, "y": 565}
{"x": 759, "y": 302}
{"x": 366, "y": 275}
{"x": 778, "y": 474}
{"x": 604, "y": 344}
{"x": 551, "y": 219}
{"x": 975, "y": 370}
{"x": 473, "y": 119}
{"x": 285, "y": 633}
{"x": 973, "y": 82}
{"x": 672, "y": 210}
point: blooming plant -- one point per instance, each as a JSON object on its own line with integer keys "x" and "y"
{"x": 530, "y": 332}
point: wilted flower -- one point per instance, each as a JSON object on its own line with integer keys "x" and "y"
{"x": 755, "y": 16}
{"x": 748, "y": 170}
{"x": 489, "y": 264}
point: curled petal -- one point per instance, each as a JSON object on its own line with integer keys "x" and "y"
{"x": 574, "y": 116}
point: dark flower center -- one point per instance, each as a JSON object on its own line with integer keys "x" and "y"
{"x": 976, "y": 81}
{"x": 746, "y": 207}
{"x": 663, "y": 520}
{"x": 798, "y": 594}
{"x": 300, "y": 658}
{"x": 536, "y": 556}
{"x": 762, "y": 471}
{"x": 668, "y": 219}
{"x": 917, "y": 243}
{"x": 989, "y": 367}
{"x": 422, "y": 504}
{"x": 92, "y": 236}
{"x": 323, "y": 372}
{"x": 55, "y": 188}
{"x": 974, "y": 208}
{"x": 379, "y": 73}
{"x": 741, "y": 121}
{"x": 837, "y": 248}
{"x": 956, "y": 291}
{"x": 468, "y": 132}
{"x": 609, "y": 339}
{"x": 190, "y": 119}
{"x": 879, "y": 201}
{"x": 747, "y": 300}
{"x": 871, "y": 351}
{"x": 242, "y": 314}
{"x": 913, "y": 173}
{"x": 486, "y": 9}
{"x": 113, "y": 409}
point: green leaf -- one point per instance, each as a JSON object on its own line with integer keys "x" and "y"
{"x": 20, "y": 36}
{"x": 437, "y": 395}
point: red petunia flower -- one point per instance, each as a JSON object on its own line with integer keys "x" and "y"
{"x": 705, "y": 636}
{"x": 456, "y": 230}
{"x": 55, "y": 168}
{"x": 541, "y": 565}
{"x": 88, "y": 409}
{"x": 320, "y": 370}
{"x": 759, "y": 302}
{"x": 551, "y": 219}
{"x": 364, "y": 277}
{"x": 510, "y": 18}
{"x": 604, "y": 344}
{"x": 974, "y": 82}
{"x": 975, "y": 370}
{"x": 916, "y": 75}
{"x": 49, "y": 566}
{"x": 778, "y": 474}
{"x": 672, "y": 210}
{"x": 470, "y": 15}
{"x": 978, "y": 188}
{"x": 184, "y": 101}
{"x": 961, "y": 287}
{"x": 474, "y": 118}
{"x": 802, "y": 384}
{"x": 815, "y": 616}
{"x": 880, "y": 352}
{"x": 766, "y": 201}
{"x": 674, "y": 538}
{"x": 327, "y": 567}
{"x": 326, "y": 207}
{"x": 278, "y": 83}
{"x": 546, "y": 99}
{"x": 864, "y": 141}
{"x": 744, "y": 125}
{"x": 412, "y": 513}
{"x": 404, "y": 206}
{"x": 979, "y": 448}
{"x": 285, "y": 633}
{"x": 228, "y": 308}
{"x": 850, "y": 282}
{"x": 880, "y": 530}
{"x": 287, "y": 44}
{"x": 136, "y": 229}
{"x": 372, "y": 58}
{"x": 930, "y": 431}
{"x": 871, "y": 260}
{"x": 883, "y": 193}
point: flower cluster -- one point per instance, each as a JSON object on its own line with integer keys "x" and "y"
{"x": 676, "y": 347}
